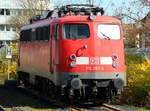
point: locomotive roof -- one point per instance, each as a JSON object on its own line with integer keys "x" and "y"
{"x": 108, "y": 19}
{"x": 45, "y": 22}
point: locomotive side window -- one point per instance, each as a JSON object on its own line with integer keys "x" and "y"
{"x": 76, "y": 31}
{"x": 38, "y": 34}
{"x": 33, "y": 35}
{"x": 46, "y": 32}
{"x": 107, "y": 31}
{"x": 25, "y": 35}
{"x": 21, "y": 36}
{"x": 43, "y": 33}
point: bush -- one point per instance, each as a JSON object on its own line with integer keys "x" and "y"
{"x": 138, "y": 77}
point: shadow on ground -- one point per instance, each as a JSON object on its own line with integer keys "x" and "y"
{"x": 13, "y": 98}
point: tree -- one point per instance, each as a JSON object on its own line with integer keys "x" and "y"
{"x": 89, "y": 1}
{"x": 29, "y": 8}
{"x": 135, "y": 20}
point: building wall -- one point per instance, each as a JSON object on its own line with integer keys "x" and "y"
{"x": 9, "y": 4}
{"x": 9, "y": 9}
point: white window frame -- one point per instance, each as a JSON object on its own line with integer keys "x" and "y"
{"x": 109, "y": 31}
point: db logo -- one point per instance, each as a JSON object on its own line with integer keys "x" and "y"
{"x": 94, "y": 60}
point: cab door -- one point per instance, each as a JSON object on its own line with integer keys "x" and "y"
{"x": 55, "y": 48}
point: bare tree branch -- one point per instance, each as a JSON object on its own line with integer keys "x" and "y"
{"x": 30, "y": 8}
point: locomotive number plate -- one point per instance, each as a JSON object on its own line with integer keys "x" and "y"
{"x": 94, "y": 68}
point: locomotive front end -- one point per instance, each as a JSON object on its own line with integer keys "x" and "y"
{"x": 82, "y": 54}
{"x": 92, "y": 57}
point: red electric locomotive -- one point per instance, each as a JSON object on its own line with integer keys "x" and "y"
{"x": 74, "y": 52}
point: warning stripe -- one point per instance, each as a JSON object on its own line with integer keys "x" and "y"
{"x": 94, "y": 61}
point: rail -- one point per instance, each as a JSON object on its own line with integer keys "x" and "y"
{"x": 72, "y": 108}
{"x": 18, "y": 109}
{"x": 2, "y": 108}
{"x": 110, "y": 108}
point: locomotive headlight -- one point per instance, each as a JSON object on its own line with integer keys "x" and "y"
{"x": 73, "y": 64}
{"x": 114, "y": 65}
{"x": 73, "y": 57}
{"x": 91, "y": 17}
{"x": 118, "y": 83}
{"x": 76, "y": 83}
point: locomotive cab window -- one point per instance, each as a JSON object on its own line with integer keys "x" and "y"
{"x": 76, "y": 31}
{"x": 107, "y": 31}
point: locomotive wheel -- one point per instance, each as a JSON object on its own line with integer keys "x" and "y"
{"x": 51, "y": 90}
{"x": 23, "y": 78}
{"x": 65, "y": 97}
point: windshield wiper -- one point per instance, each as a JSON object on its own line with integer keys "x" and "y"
{"x": 105, "y": 36}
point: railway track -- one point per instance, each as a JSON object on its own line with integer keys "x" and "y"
{"x": 58, "y": 105}
{"x": 18, "y": 109}
{"x": 2, "y": 108}
{"x": 104, "y": 107}
{"x": 110, "y": 108}
{"x": 72, "y": 108}
{"x": 14, "y": 109}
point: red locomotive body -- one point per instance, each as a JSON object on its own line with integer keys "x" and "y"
{"x": 75, "y": 55}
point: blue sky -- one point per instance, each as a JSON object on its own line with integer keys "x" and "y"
{"x": 104, "y": 3}
{"x": 112, "y": 7}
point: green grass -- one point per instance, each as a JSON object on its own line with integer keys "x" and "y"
{"x": 144, "y": 109}
{"x": 136, "y": 108}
